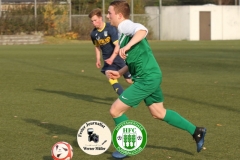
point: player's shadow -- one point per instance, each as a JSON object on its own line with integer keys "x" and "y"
{"x": 57, "y": 70}
{"x": 222, "y": 107}
{"x": 170, "y": 149}
{"x": 53, "y": 129}
{"x": 84, "y": 97}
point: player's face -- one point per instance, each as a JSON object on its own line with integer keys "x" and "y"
{"x": 112, "y": 16}
{"x": 96, "y": 21}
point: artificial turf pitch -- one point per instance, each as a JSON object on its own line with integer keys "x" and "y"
{"x": 48, "y": 91}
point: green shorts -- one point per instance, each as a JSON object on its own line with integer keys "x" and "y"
{"x": 148, "y": 90}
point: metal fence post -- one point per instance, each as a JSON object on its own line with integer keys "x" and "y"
{"x": 103, "y": 9}
{"x": 132, "y": 18}
{"x": 70, "y": 14}
{"x": 35, "y": 14}
{"x": 0, "y": 8}
{"x": 160, "y": 14}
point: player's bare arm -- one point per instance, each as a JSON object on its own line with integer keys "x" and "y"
{"x": 114, "y": 54}
{"x": 116, "y": 74}
{"x": 98, "y": 56}
{"x": 138, "y": 36}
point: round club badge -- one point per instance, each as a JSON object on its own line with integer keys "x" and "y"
{"x": 129, "y": 137}
{"x": 94, "y": 137}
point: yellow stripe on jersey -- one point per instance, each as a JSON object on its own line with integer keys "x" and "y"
{"x": 100, "y": 30}
{"x": 96, "y": 43}
{"x": 115, "y": 42}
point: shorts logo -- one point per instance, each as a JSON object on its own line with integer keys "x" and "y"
{"x": 94, "y": 137}
{"x": 129, "y": 137}
{"x": 124, "y": 98}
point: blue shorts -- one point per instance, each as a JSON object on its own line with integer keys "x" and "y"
{"x": 115, "y": 67}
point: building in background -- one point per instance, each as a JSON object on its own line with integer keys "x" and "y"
{"x": 206, "y": 22}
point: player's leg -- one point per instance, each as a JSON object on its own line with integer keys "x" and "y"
{"x": 156, "y": 108}
{"x": 171, "y": 117}
{"x": 113, "y": 82}
{"x": 132, "y": 96}
{"x": 116, "y": 86}
{"x": 117, "y": 111}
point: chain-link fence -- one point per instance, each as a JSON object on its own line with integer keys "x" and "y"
{"x": 59, "y": 17}
{"x": 56, "y": 17}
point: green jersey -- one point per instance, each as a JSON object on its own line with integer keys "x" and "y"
{"x": 140, "y": 59}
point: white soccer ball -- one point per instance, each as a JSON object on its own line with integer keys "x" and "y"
{"x": 62, "y": 151}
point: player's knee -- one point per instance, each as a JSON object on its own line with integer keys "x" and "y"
{"x": 113, "y": 112}
{"x": 158, "y": 117}
{"x": 158, "y": 111}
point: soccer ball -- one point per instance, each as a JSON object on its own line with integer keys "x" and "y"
{"x": 62, "y": 151}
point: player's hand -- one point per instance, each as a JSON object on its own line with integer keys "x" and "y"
{"x": 98, "y": 64}
{"x": 123, "y": 52}
{"x": 112, "y": 74}
{"x": 109, "y": 61}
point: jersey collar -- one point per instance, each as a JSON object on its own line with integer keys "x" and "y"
{"x": 104, "y": 25}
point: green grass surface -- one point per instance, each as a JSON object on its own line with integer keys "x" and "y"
{"x": 48, "y": 91}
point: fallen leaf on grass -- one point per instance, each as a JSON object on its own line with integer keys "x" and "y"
{"x": 219, "y": 125}
{"x": 44, "y": 122}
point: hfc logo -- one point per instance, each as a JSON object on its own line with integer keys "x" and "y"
{"x": 129, "y": 137}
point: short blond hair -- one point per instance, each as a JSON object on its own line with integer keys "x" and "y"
{"x": 96, "y": 11}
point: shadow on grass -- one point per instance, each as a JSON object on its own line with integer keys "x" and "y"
{"x": 30, "y": 63}
{"x": 170, "y": 149}
{"x": 222, "y": 107}
{"x": 84, "y": 97}
{"x": 53, "y": 129}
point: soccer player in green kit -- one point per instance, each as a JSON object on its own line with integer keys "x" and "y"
{"x": 146, "y": 75}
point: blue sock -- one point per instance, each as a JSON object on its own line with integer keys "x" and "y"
{"x": 116, "y": 86}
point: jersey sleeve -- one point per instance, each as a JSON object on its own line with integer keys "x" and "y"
{"x": 129, "y": 28}
{"x": 94, "y": 41}
{"x": 113, "y": 34}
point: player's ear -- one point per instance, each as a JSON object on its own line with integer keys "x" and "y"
{"x": 119, "y": 15}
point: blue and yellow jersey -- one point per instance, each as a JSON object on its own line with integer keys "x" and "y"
{"x": 105, "y": 38}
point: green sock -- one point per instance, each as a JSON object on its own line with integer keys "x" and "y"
{"x": 120, "y": 119}
{"x": 176, "y": 120}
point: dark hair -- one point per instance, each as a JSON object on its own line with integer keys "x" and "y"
{"x": 97, "y": 12}
{"x": 121, "y": 6}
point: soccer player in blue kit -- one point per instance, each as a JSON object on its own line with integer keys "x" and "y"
{"x": 105, "y": 38}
